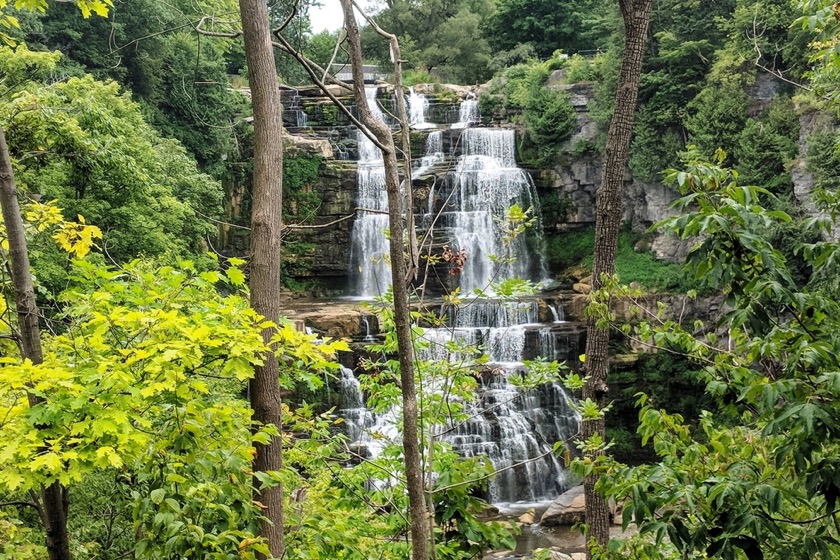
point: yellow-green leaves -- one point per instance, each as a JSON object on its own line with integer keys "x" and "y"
{"x": 77, "y": 238}
{"x": 98, "y": 7}
{"x": 87, "y": 7}
{"x": 137, "y": 343}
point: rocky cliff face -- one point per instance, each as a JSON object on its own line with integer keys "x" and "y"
{"x": 320, "y": 241}
{"x": 319, "y": 244}
{"x": 577, "y": 178}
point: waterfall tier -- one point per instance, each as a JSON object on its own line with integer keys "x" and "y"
{"x": 369, "y": 245}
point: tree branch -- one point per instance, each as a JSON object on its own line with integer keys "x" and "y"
{"x": 202, "y": 31}
{"x": 308, "y": 66}
{"x": 33, "y": 505}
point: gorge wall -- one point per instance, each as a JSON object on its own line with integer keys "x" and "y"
{"x": 321, "y": 209}
{"x": 321, "y": 213}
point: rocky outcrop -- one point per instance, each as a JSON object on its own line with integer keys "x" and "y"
{"x": 307, "y": 145}
{"x": 319, "y": 245}
{"x": 567, "y": 509}
{"x": 810, "y": 122}
{"x": 577, "y": 178}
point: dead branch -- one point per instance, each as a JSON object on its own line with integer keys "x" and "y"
{"x": 310, "y": 67}
{"x": 201, "y": 31}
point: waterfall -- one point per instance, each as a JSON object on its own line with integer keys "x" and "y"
{"x": 487, "y": 183}
{"x": 434, "y": 155}
{"x": 467, "y": 113}
{"x": 369, "y": 246}
{"x": 513, "y": 428}
{"x": 367, "y": 431}
{"x": 294, "y": 107}
{"x": 417, "y": 107}
{"x": 516, "y": 430}
{"x": 548, "y": 343}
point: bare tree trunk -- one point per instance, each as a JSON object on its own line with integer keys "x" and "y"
{"x": 419, "y": 522}
{"x": 608, "y": 212}
{"x": 54, "y": 507}
{"x": 266, "y": 224}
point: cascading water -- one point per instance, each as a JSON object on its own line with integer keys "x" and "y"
{"x": 467, "y": 113}
{"x": 514, "y": 429}
{"x": 486, "y": 184}
{"x": 369, "y": 245}
{"x": 434, "y": 154}
{"x": 418, "y": 104}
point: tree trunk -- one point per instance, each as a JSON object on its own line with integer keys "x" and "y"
{"x": 608, "y": 213}
{"x": 419, "y": 522}
{"x": 266, "y": 224}
{"x": 53, "y": 497}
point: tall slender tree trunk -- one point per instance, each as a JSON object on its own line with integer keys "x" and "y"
{"x": 266, "y": 225}
{"x": 53, "y": 497}
{"x": 608, "y": 213}
{"x": 419, "y": 522}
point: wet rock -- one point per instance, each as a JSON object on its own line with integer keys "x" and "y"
{"x": 567, "y": 509}
{"x": 528, "y": 517}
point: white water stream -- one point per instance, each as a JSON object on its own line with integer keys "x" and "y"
{"x": 514, "y": 429}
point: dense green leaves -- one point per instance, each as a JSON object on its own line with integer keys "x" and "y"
{"x": 86, "y": 145}
{"x": 766, "y": 488}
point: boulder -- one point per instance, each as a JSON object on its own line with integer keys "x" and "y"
{"x": 527, "y": 518}
{"x": 567, "y": 509}
{"x": 308, "y": 145}
{"x": 582, "y": 288}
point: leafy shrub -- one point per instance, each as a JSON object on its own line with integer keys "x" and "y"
{"x": 572, "y": 249}
{"x": 580, "y": 69}
{"x": 419, "y": 76}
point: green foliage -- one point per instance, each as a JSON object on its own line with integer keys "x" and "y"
{"x": 713, "y": 189}
{"x": 823, "y": 160}
{"x": 321, "y": 46}
{"x": 717, "y": 117}
{"x": 546, "y": 114}
{"x": 153, "y": 389}
{"x": 86, "y": 145}
{"x": 580, "y": 69}
{"x": 300, "y": 174}
{"x": 414, "y": 77}
{"x": 179, "y": 78}
{"x": 547, "y": 26}
{"x": 549, "y": 119}
{"x": 17, "y": 541}
{"x": 9, "y": 21}
{"x": 766, "y": 147}
{"x": 766, "y": 488}
{"x": 670, "y": 380}
{"x": 572, "y": 249}
{"x": 446, "y": 38}
{"x": 520, "y": 54}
